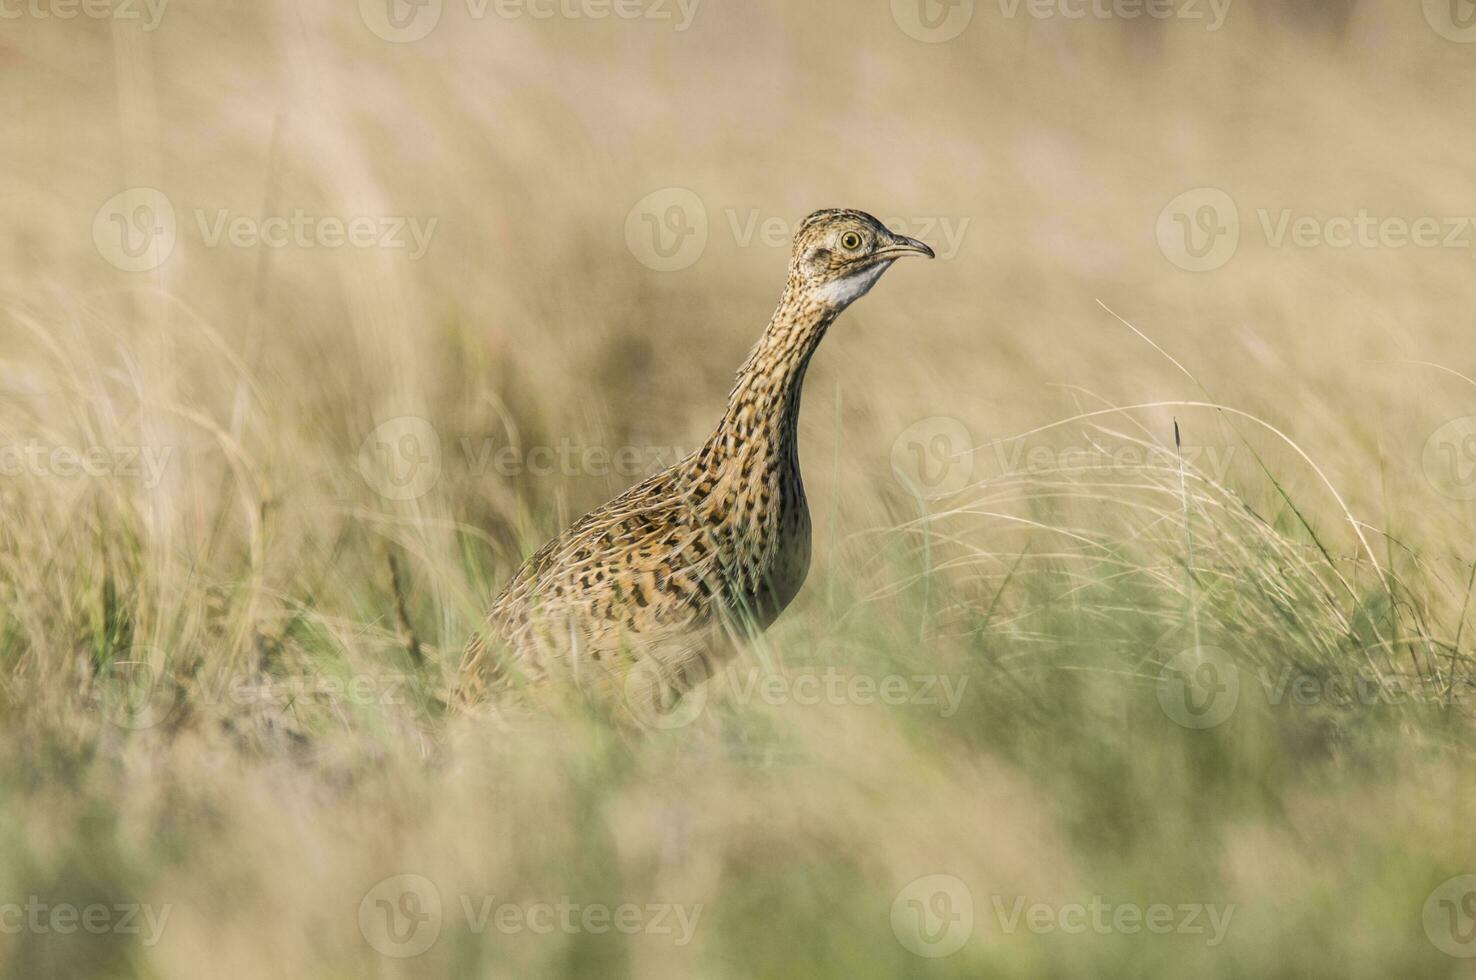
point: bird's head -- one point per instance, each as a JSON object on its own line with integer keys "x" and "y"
{"x": 840, "y": 254}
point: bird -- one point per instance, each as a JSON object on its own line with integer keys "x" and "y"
{"x": 645, "y": 597}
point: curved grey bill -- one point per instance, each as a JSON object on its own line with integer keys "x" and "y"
{"x": 902, "y": 245}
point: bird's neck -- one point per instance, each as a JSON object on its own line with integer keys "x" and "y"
{"x": 763, "y": 407}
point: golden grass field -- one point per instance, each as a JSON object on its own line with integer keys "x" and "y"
{"x": 1057, "y": 699}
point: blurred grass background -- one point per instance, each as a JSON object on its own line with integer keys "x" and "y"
{"x": 220, "y": 697}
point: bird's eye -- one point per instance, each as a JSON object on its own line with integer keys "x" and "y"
{"x": 851, "y": 241}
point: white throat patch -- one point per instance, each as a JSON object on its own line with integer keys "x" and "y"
{"x": 843, "y": 292}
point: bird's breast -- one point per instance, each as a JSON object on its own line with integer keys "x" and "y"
{"x": 775, "y": 529}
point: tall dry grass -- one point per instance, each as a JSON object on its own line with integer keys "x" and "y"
{"x": 225, "y": 653}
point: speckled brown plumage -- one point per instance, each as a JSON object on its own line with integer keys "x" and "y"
{"x": 661, "y": 582}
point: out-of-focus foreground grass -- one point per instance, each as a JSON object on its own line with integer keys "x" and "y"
{"x": 310, "y": 329}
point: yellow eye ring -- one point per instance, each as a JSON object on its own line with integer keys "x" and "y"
{"x": 851, "y": 241}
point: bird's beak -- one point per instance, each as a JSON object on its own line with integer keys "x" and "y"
{"x": 902, "y": 245}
